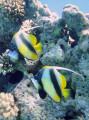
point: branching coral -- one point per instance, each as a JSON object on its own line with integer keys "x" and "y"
{"x": 8, "y": 109}
{"x": 15, "y": 8}
{"x": 6, "y": 65}
{"x": 26, "y": 25}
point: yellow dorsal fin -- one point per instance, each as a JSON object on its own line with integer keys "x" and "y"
{"x": 14, "y": 35}
{"x": 63, "y": 81}
{"x": 33, "y": 39}
{"x": 45, "y": 67}
{"x": 66, "y": 93}
{"x": 38, "y": 47}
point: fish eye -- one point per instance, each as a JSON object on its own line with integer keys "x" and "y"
{"x": 38, "y": 75}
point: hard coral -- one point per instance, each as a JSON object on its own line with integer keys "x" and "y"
{"x": 5, "y": 64}
{"x": 15, "y": 8}
{"x": 8, "y": 109}
{"x": 74, "y": 18}
{"x": 51, "y": 57}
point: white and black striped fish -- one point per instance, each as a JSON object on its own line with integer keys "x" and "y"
{"x": 27, "y": 45}
{"x": 50, "y": 81}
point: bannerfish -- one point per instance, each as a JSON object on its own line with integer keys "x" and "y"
{"x": 50, "y": 81}
{"x": 27, "y": 45}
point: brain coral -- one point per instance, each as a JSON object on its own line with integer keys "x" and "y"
{"x": 8, "y": 109}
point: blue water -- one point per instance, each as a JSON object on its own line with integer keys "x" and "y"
{"x": 57, "y": 5}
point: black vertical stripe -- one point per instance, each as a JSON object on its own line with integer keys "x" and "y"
{"x": 29, "y": 46}
{"x": 55, "y": 83}
{"x": 38, "y": 77}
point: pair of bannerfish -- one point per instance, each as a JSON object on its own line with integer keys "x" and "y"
{"x": 48, "y": 80}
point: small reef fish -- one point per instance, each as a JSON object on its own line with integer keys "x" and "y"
{"x": 50, "y": 81}
{"x": 27, "y": 44}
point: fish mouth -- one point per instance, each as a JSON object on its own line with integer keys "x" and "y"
{"x": 31, "y": 77}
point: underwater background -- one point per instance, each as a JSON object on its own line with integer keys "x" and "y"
{"x": 55, "y": 39}
{"x": 57, "y": 5}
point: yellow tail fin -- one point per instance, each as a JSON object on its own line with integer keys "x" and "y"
{"x": 33, "y": 39}
{"x": 66, "y": 93}
{"x": 63, "y": 81}
{"x": 38, "y": 47}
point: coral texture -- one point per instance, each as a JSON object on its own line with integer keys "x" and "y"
{"x": 65, "y": 43}
{"x": 33, "y": 107}
{"x": 78, "y": 20}
{"x": 55, "y": 55}
{"x": 5, "y": 64}
{"x": 8, "y": 109}
{"x": 14, "y": 8}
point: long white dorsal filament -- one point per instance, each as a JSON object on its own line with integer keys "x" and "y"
{"x": 66, "y": 69}
{"x": 27, "y": 29}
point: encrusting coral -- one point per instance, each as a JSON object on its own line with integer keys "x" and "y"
{"x": 8, "y": 109}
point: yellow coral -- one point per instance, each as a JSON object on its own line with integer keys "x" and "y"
{"x": 8, "y": 109}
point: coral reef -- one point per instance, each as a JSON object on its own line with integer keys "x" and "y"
{"x": 6, "y": 65}
{"x": 51, "y": 58}
{"x": 78, "y": 20}
{"x": 14, "y": 8}
{"x": 33, "y": 107}
{"x": 8, "y": 109}
{"x": 11, "y": 12}
{"x": 65, "y": 43}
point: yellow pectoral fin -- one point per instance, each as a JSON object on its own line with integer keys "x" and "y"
{"x": 33, "y": 39}
{"x": 66, "y": 93}
{"x": 38, "y": 47}
{"x": 63, "y": 81}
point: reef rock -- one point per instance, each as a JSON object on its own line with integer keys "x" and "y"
{"x": 74, "y": 18}
{"x": 13, "y": 13}
{"x": 65, "y": 43}
{"x": 32, "y": 107}
{"x": 55, "y": 55}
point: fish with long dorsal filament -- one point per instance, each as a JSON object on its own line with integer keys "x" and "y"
{"x": 26, "y": 44}
{"x": 50, "y": 81}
